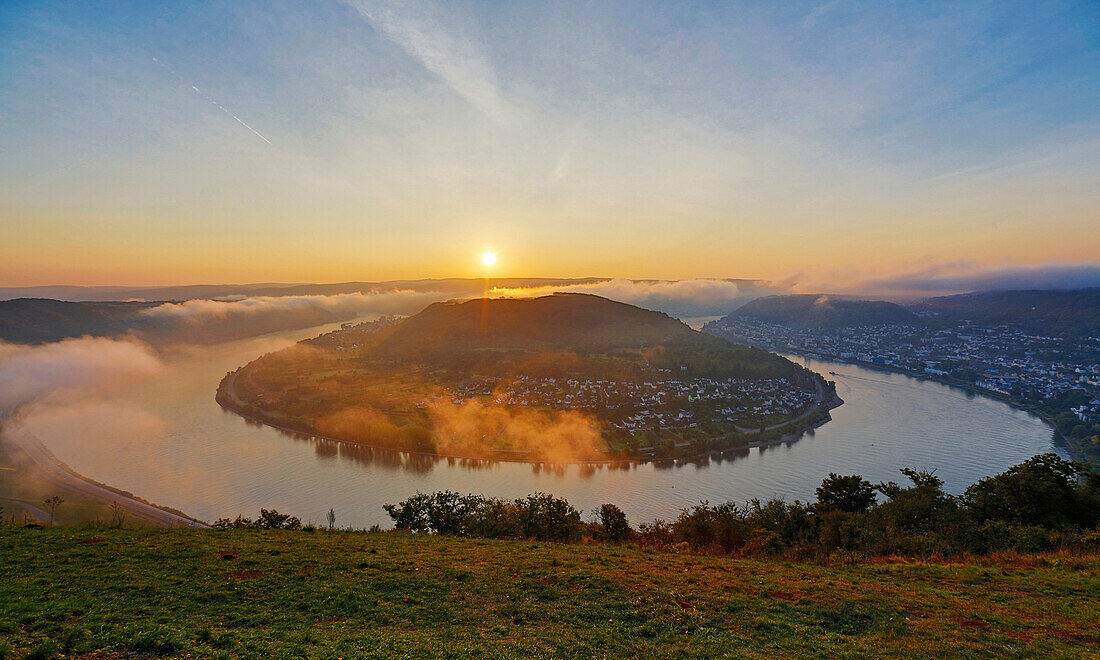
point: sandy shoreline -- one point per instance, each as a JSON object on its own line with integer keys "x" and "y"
{"x": 49, "y": 468}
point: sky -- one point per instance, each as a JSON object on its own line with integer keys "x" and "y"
{"x": 835, "y": 143}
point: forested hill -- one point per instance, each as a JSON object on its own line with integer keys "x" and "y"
{"x": 824, "y": 311}
{"x": 1068, "y": 313}
{"x": 485, "y": 331}
{"x": 559, "y": 322}
{"x": 34, "y": 320}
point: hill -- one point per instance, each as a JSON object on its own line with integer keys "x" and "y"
{"x": 485, "y": 333}
{"x": 564, "y": 377}
{"x": 33, "y": 320}
{"x": 822, "y": 311}
{"x": 563, "y": 321}
{"x": 37, "y": 320}
{"x": 1068, "y": 313}
{"x": 95, "y": 592}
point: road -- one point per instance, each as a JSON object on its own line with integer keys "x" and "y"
{"x": 28, "y": 450}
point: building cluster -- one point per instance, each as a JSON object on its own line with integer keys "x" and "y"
{"x": 648, "y": 404}
{"x": 1001, "y": 359}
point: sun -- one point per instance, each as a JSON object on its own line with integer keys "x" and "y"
{"x": 489, "y": 258}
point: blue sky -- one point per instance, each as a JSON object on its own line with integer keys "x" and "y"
{"x": 146, "y": 143}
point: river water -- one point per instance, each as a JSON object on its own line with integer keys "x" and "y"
{"x": 167, "y": 441}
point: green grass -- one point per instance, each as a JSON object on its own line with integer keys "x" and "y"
{"x": 247, "y": 593}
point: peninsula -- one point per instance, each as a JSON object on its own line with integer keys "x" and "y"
{"x": 560, "y": 378}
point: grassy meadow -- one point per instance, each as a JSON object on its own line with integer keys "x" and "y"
{"x": 112, "y": 593}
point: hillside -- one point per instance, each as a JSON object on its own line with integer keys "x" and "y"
{"x": 95, "y": 592}
{"x": 558, "y": 322}
{"x": 821, "y": 311}
{"x": 37, "y": 320}
{"x": 1068, "y": 313}
{"x": 33, "y": 320}
{"x": 483, "y": 333}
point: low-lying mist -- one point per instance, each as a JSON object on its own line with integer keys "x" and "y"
{"x": 71, "y": 368}
{"x": 386, "y": 302}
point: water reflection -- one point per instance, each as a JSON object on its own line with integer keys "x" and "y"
{"x": 326, "y": 449}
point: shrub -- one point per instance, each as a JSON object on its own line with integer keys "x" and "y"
{"x": 851, "y": 494}
{"x": 613, "y": 524}
{"x": 267, "y": 520}
{"x": 544, "y": 517}
{"x": 1042, "y": 490}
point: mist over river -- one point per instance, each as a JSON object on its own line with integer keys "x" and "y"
{"x": 166, "y": 440}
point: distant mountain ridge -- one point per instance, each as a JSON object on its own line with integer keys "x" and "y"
{"x": 1059, "y": 312}
{"x": 1074, "y": 312}
{"x": 825, "y": 311}
{"x": 33, "y": 320}
{"x": 39, "y": 320}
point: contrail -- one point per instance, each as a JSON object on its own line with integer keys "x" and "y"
{"x": 217, "y": 105}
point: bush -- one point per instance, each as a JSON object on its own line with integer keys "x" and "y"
{"x": 544, "y": 517}
{"x": 538, "y": 516}
{"x": 267, "y": 520}
{"x": 613, "y": 524}
{"x": 1043, "y": 490}
{"x": 851, "y": 494}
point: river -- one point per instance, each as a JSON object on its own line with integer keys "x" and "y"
{"x": 170, "y": 443}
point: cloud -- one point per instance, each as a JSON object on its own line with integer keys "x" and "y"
{"x": 384, "y": 302}
{"x": 961, "y": 277}
{"x": 696, "y": 297}
{"x": 457, "y": 61}
{"x": 28, "y": 373}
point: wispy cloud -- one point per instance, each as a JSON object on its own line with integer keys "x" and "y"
{"x": 455, "y": 59}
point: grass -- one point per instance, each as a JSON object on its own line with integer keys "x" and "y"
{"x": 99, "y": 593}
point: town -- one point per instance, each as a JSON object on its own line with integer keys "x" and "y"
{"x": 1056, "y": 375}
{"x": 649, "y": 405}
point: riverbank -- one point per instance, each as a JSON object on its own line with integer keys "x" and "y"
{"x": 226, "y": 396}
{"x": 35, "y": 469}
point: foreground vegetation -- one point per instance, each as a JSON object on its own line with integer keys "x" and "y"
{"x": 1045, "y": 503}
{"x": 105, "y": 593}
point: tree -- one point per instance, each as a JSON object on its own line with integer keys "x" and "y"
{"x": 331, "y": 518}
{"x": 275, "y": 520}
{"x": 922, "y": 507}
{"x": 51, "y": 505}
{"x": 613, "y": 522}
{"x": 118, "y": 514}
{"x": 1042, "y": 490}
{"x": 851, "y": 494}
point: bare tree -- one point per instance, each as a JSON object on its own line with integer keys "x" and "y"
{"x": 51, "y": 505}
{"x": 331, "y": 518}
{"x": 118, "y": 514}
